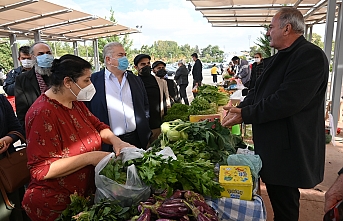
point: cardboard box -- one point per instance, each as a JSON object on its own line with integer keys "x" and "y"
{"x": 210, "y": 117}
{"x": 236, "y": 181}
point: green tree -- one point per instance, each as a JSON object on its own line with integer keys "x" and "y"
{"x": 317, "y": 40}
{"x": 6, "y": 61}
{"x": 263, "y": 43}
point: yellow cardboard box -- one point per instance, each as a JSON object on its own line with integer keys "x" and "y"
{"x": 210, "y": 117}
{"x": 236, "y": 181}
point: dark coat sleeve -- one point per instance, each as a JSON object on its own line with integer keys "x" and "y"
{"x": 21, "y": 101}
{"x": 10, "y": 121}
{"x": 10, "y": 81}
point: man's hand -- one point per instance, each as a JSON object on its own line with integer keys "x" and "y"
{"x": 233, "y": 117}
{"x": 334, "y": 194}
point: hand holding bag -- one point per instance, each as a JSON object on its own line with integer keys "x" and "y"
{"x": 14, "y": 172}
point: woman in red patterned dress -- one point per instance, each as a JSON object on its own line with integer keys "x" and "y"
{"x": 63, "y": 140}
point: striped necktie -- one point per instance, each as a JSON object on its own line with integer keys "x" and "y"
{"x": 42, "y": 85}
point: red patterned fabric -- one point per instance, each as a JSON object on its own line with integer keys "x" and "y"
{"x": 54, "y": 132}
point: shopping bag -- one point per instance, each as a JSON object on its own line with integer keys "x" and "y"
{"x": 128, "y": 194}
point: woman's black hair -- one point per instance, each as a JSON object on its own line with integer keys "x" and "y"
{"x": 67, "y": 66}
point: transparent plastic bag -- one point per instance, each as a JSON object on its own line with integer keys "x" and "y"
{"x": 134, "y": 190}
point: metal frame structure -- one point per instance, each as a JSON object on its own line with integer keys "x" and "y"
{"x": 42, "y": 20}
{"x": 248, "y": 13}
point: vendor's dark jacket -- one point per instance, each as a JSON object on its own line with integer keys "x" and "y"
{"x": 26, "y": 92}
{"x": 197, "y": 71}
{"x": 98, "y": 105}
{"x": 10, "y": 80}
{"x": 286, "y": 109}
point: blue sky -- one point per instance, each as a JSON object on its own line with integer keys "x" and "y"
{"x": 174, "y": 20}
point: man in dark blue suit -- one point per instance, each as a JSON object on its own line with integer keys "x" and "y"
{"x": 120, "y": 99}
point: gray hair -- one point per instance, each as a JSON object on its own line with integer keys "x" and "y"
{"x": 108, "y": 49}
{"x": 180, "y": 62}
{"x": 36, "y": 43}
{"x": 291, "y": 15}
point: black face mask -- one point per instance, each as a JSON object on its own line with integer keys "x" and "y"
{"x": 145, "y": 71}
{"x": 161, "y": 73}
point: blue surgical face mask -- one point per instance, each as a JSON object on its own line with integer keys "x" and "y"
{"x": 45, "y": 60}
{"x": 123, "y": 63}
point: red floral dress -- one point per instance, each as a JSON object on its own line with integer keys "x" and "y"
{"x": 53, "y": 132}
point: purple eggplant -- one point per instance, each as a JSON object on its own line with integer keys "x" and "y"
{"x": 146, "y": 215}
{"x": 205, "y": 206}
{"x": 178, "y": 194}
{"x": 184, "y": 218}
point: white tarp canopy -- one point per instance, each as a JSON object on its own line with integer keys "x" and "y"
{"x": 25, "y": 18}
{"x": 248, "y": 13}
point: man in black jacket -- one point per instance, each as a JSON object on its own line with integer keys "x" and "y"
{"x": 26, "y": 65}
{"x": 181, "y": 78}
{"x": 286, "y": 109}
{"x": 31, "y": 84}
{"x": 196, "y": 71}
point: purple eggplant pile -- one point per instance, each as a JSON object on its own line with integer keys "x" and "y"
{"x": 182, "y": 205}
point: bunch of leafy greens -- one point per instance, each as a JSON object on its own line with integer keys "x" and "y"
{"x": 213, "y": 95}
{"x": 220, "y": 143}
{"x": 170, "y": 174}
{"x": 201, "y": 106}
{"x": 115, "y": 170}
{"x": 177, "y": 111}
{"x": 81, "y": 209}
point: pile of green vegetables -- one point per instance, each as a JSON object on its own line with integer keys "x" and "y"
{"x": 211, "y": 94}
{"x": 206, "y": 102}
{"x": 160, "y": 173}
{"x": 177, "y": 111}
{"x": 206, "y": 138}
{"x": 82, "y": 209}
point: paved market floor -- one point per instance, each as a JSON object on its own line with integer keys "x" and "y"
{"x": 311, "y": 200}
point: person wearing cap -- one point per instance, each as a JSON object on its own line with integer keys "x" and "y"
{"x": 196, "y": 71}
{"x": 181, "y": 78}
{"x": 159, "y": 69}
{"x": 142, "y": 65}
{"x": 120, "y": 100}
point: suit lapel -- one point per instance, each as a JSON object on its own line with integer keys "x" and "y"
{"x": 33, "y": 81}
{"x": 102, "y": 91}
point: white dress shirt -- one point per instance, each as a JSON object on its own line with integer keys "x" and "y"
{"x": 119, "y": 104}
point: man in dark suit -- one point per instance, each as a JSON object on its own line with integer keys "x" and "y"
{"x": 286, "y": 109}
{"x": 31, "y": 84}
{"x": 120, "y": 99}
{"x": 196, "y": 71}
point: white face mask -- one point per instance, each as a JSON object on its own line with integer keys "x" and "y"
{"x": 257, "y": 60}
{"x": 27, "y": 63}
{"x": 85, "y": 94}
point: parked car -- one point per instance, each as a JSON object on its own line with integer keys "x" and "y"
{"x": 170, "y": 70}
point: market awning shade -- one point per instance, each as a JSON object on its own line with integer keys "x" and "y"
{"x": 248, "y": 13}
{"x": 54, "y": 22}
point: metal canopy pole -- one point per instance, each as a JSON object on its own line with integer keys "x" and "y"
{"x": 328, "y": 36}
{"x": 14, "y": 49}
{"x": 96, "y": 55}
{"x": 337, "y": 69}
{"x": 76, "y": 50}
{"x": 37, "y": 36}
{"x": 306, "y": 31}
{"x": 310, "y": 34}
